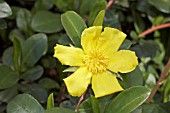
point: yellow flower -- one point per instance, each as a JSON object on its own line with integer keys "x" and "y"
{"x": 99, "y": 56}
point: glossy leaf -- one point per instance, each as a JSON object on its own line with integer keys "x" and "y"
{"x": 99, "y": 18}
{"x": 7, "y": 57}
{"x": 8, "y": 94}
{"x": 161, "y": 5}
{"x": 50, "y": 101}
{"x": 153, "y": 108}
{"x": 48, "y": 83}
{"x": 133, "y": 78}
{"x": 71, "y": 69}
{"x": 24, "y": 103}
{"x": 5, "y": 10}
{"x": 95, "y": 104}
{"x": 86, "y": 107}
{"x": 17, "y": 54}
{"x": 126, "y": 44}
{"x": 41, "y": 22}
{"x": 33, "y": 73}
{"x": 8, "y": 77}
{"x": 23, "y": 20}
{"x": 74, "y": 25}
{"x": 59, "y": 110}
{"x": 33, "y": 49}
{"x": 38, "y": 92}
{"x": 146, "y": 49}
{"x": 128, "y": 100}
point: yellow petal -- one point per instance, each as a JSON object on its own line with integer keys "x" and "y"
{"x": 123, "y": 61}
{"x": 78, "y": 82}
{"x": 105, "y": 84}
{"x": 110, "y": 40}
{"x": 69, "y": 55}
{"x": 90, "y": 37}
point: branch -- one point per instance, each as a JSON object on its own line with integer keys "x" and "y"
{"x": 154, "y": 28}
{"x": 160, "y": 81}
{"x": 81, "y": 100}
{"x": 109, "y": 4}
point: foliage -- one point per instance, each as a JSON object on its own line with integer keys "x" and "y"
{"x": 29, "y": 30}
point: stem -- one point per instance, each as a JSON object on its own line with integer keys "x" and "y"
{"x": 160, "y": 81}
{"x": 154, "y": 28}
{"x": 81, "y": 100}
{"x": 109, "y": 4}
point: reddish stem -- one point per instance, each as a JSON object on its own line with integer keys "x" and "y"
{"x": 160, "y": 81}
{"x": 81, "y": 100}
{"x": 154, "y": 28}
{"x": 109, "y": 4}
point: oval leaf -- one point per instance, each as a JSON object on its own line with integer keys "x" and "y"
{"x": 8, "y": 77}
{"x": 33, "y": 49}
{"x": 47, "y": 22}
{"x": 74, "y": 25}
{"x": 59, "y": 110}
{"x": 128, "y": 100}
{"x": 99, "y": 18}
{"x": 33, "y": 73}
{"x": 24, "y": 103}
{"x": 50, "y": 102}
{"x": 5, "y": 10}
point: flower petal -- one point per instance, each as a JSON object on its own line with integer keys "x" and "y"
{"x": 110, "y": 40}
{"x": 69, "y": 55}
{"x": 90, "y": 37}
{"x": 123, "y": 61}
{"x": 105, "y": 84}
{"x": 78, "y": 82}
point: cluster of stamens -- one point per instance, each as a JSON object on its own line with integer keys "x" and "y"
{"x": 95, "y": 61}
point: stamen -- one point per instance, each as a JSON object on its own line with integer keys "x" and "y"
{"x": 96, "y": 62}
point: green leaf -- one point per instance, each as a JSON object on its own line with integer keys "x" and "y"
{"x": 5, "y": 10}
{"x": 17, "y": 54}
{"x": 33, "y": 49}
{"x": 43, "y": 4}
{"x": 8, "y": 77}
{"x": 146, "y": 49}
{"x": 50, "y": 101}
{"x": 23, "y": 20}
{"x": 7, "y": 57}
{"x": 91, "y": 105}
{"x": 33, "y": 73}
{"x": 100, "y": 5}
{"x": 38, "y": 92}
{"x": 71, "y": 69}
{"x": 128, "y": 100}
{"x": 103, "y": 102}
{"x": 24, "y": 103}
{"x": 161, "y": 5}
{"x": 153, "y": 108}
{"x": 133, "y": 78}
{"x": 125, "y": 45}
{"x": 99, "y": 18}
{"x": 95, "y": 104}
{"x": 85, "y": 6}
{"x": 47, "y": 22}
{"x": 74, "y": 26}
{"x": 86, "y": 107}
{"x": 7, "y": 94}
{"x": 59, "y": 110}
{"x": 48, "y": 83}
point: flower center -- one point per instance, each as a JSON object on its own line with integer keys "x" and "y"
{"x": 96, "y": 62}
